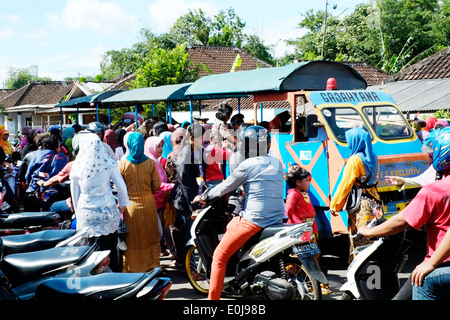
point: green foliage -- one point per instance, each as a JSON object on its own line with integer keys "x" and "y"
{"x": 389, "y": 34}
{"x": 442, "y": 114}
{"x": 164, "y": 67}
{"x": 18, "y": 77}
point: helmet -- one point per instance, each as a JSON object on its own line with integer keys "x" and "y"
{"x": 255, "y": 140}
{"x": 95, "y": 127}
{"x": 440, "y": 145}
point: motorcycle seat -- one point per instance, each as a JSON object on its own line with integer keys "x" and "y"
{"x": 34, "y": 241}
{"x": 105, "y": 286}
{"x": 23, "y": 267}
{"x": 273, "y": 229}
{"x": 28, "y": 219}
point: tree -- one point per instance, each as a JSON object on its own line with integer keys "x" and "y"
{"x": 227, "y": 29}
{"x": 19, "y": 77}
{"x": 193, "y": 27}
{"x": 389, "y": 34}
{"x": 254, "y": 45}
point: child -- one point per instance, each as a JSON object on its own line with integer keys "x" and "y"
{"x": 298, "y": 204}
{"x": 215, "y": 156}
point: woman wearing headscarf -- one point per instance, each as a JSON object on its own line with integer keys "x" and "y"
{"x": 142, "y": 180}
{"x": 4, "y": 142}
{"x": 430, "y": 123}
{"x": 361, "y": 169}
{"x": 166, "y": 135}
{"x": 24, "y": 140}
{"x": 125, "y": 143}
{"x": 153, "y": 149}
{"x": 176, "y": 140}
{"x": 111, "y": 140}
{"x": 120, "y": 133}
{"x": 92, "y": 195}
{"x": 31, "y": 143}
{"x": 67, "y": 137}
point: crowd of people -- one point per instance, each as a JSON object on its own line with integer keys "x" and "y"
{"x": 135, "y": 189}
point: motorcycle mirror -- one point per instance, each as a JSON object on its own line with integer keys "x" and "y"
{"x": 378, "y": 212}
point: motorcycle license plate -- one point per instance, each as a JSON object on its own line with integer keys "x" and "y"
{"x": 306, "y": 250}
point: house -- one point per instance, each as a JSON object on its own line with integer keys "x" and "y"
{"x": 424, "y": 87}
{"x": 23, "y": 106}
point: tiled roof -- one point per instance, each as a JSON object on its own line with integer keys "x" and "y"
{"x": 121, "y": 82}
{"x": 436, "y": 66}
{"x": 39, "y": 93}
{"x": 6, "y": 92}
{"x": 372, "y": 75}
{"x": 221, "y": 59}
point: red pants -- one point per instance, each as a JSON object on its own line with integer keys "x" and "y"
{"x": 238, "y": 232}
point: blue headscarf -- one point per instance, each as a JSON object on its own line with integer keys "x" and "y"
{"x": 360, "y": 144}
{"x": 68, "y": 132}
{"x": 135, "y": 143}
{"x": 166, "y": 135}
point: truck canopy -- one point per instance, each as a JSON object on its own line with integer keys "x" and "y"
{"x": 307, "y": 75}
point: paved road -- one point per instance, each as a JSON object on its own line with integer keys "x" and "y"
{"x": 336, "y": 266}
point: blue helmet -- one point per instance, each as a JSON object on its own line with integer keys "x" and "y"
{"x": 439, "y": 142}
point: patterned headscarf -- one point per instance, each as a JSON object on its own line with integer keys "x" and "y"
{"x": 92, "y": 158}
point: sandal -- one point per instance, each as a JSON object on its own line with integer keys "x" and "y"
{"x": 325, "y": 289}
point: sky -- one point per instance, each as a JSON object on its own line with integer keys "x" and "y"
{"x": 67, "y": 38}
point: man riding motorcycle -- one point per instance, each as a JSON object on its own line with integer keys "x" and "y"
{"x": 262, "y": 179}
{"x": 430, "y": 207}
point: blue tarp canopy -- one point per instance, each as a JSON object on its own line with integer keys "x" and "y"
{"x": 87, "y": 101}
{"x": 308, "y": 75}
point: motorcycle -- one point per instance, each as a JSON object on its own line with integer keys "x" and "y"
{"x": 21, "y": 273}
{"x": 373, "y": 274}
{"x": 278, "y": 263}
{"x": 42, "y": 240}
{"x": 26, "y": 222}
{"x": 108, "y": 286}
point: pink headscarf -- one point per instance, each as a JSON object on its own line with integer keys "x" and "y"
{"x": 431, "y": 122}
{"x": 442, "y": 122}
{"x": 151, "y": 144}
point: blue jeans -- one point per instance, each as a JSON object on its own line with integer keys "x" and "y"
{"x": 436, "y": 285}
{"x": 61, "y": 208}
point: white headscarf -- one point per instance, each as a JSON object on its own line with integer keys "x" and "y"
{"x": 92, "y": 158}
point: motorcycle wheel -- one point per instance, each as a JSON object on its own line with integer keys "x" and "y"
{"x": 296, "y": 271}
{"x": 347, "y": 296}
{"x": 195, "y": 271}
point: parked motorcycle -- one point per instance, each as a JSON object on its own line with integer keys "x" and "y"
{"x": 43, "y": 240}
{"x": 108, "y": 286}
{"x": 21, "y": 273}
{"x": 26, "y": 222}
{"x": 278, "y": 263}
{"x": 373, "y": 274}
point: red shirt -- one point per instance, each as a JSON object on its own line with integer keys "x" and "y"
{"x": 298, "y": 209}
{"x": 431, "y": 207}
{"x": 217, "y": 155}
